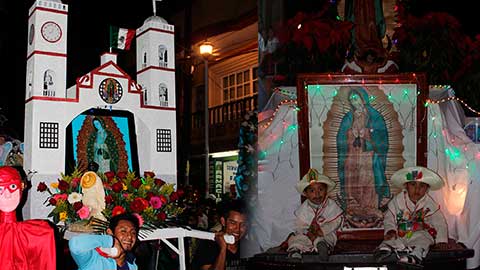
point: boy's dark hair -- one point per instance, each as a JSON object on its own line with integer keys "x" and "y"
{"x": 128, "y": 217}
{"x": 236, "y": 205}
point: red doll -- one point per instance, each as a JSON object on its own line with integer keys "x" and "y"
{"x": 25, "y": 245}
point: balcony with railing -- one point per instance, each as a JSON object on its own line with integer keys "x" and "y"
{"x": 224, "y": 125}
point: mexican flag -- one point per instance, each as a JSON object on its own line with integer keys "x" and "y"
{"x": 121, "y": 38}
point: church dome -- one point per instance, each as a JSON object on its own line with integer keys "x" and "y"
{"x": 155, "y": 19}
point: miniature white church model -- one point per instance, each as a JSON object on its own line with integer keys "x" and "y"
{"x": 142, "y": 112}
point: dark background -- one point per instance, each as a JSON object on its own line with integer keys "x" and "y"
{"x": 87, "y": 39}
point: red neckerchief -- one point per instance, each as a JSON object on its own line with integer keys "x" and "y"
{"x": 103, "y": 254}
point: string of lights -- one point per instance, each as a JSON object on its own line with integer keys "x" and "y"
{"x": 429, "y": 101}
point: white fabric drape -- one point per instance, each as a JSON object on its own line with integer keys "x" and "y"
{"x": 456, "y": 158}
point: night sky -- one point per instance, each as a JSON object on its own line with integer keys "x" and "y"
{"x": 88, "y": 38}
{"x": 88, "y": 26}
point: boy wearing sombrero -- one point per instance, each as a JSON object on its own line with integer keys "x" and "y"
{"x": 413, "y": 221}
{"x": 317, "y": 219}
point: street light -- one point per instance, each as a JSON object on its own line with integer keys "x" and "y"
{"x": 206, "y": 50}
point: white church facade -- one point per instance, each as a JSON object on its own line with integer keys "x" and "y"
{"x": 50, "y": 107}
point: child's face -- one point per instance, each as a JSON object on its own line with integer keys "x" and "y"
{"x": 416, "y": 190}
{"x": 316, "y": 192}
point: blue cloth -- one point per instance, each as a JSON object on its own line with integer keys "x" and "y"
{"x": 83, "y": 251}
{"x": 379, "y": 145}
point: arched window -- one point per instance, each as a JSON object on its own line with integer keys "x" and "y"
{"x": 30, "y": 83}
{"x": 49, "y": 83}
{"x": 163, "y": 94}
{"x": 162, "y": 56}
{"x": 145, "y": 94}
{"x": 144, "y": 63}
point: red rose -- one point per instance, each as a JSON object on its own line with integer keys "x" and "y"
{"x": 161, "y": 216}
{"x": 117, "y": 210}
{"x": 41, "y": 187}
{"x": 77, "y": 206}
{"x": 149, "y": 195}
{"x": 109, "y": 175}
{"x": 117, "y": 187}
{"x": 108, "y": 199}
{"x": 180, "y": 192}
{"x": 159, "y": 182}
{"x": 75, "y": 182}
{"x": 52, "y": 201}
{"x": 122, "y": 175}
{"x": 138, "y": 205}
{"x": 147, "y": 174}
{"x": 63, "y": 185}
{"x": 136, "y": 183}
{"x": 173, "y": 196}
{"x": 432, "y": 232}
{"x": 163, "y": 199}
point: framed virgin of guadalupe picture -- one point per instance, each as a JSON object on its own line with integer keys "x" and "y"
{"x": 105, "y": 138}
{"x": 358, "y": 130}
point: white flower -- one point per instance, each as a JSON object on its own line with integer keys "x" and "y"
{"x": 74, "y": 197}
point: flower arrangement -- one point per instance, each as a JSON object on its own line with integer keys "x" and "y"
{"x": 150, "y": 198}
{"x": 312, "y": 42}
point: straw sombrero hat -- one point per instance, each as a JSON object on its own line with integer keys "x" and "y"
{"x": 88, "y": 179}
{"x": 417, "y": 174}
{"x": 312, "y": 176}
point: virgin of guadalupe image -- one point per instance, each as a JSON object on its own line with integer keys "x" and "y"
{"x": 100, "y": 141}
{"x": 101, "y": 154}
{"x": 363, "y": 140}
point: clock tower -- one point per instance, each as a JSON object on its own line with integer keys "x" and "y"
{"x": 47, "y": 50}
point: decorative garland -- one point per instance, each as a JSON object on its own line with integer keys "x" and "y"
{"x": 429, "y": 101}
{"x": 245, "y": 179}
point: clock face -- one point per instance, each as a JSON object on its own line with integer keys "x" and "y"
{"x": 110, "y": 90}
{"x": 31, "y": 34}
{"x": 51, "y": 32}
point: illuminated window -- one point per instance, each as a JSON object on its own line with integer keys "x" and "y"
{"x": 239, "y": 85}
